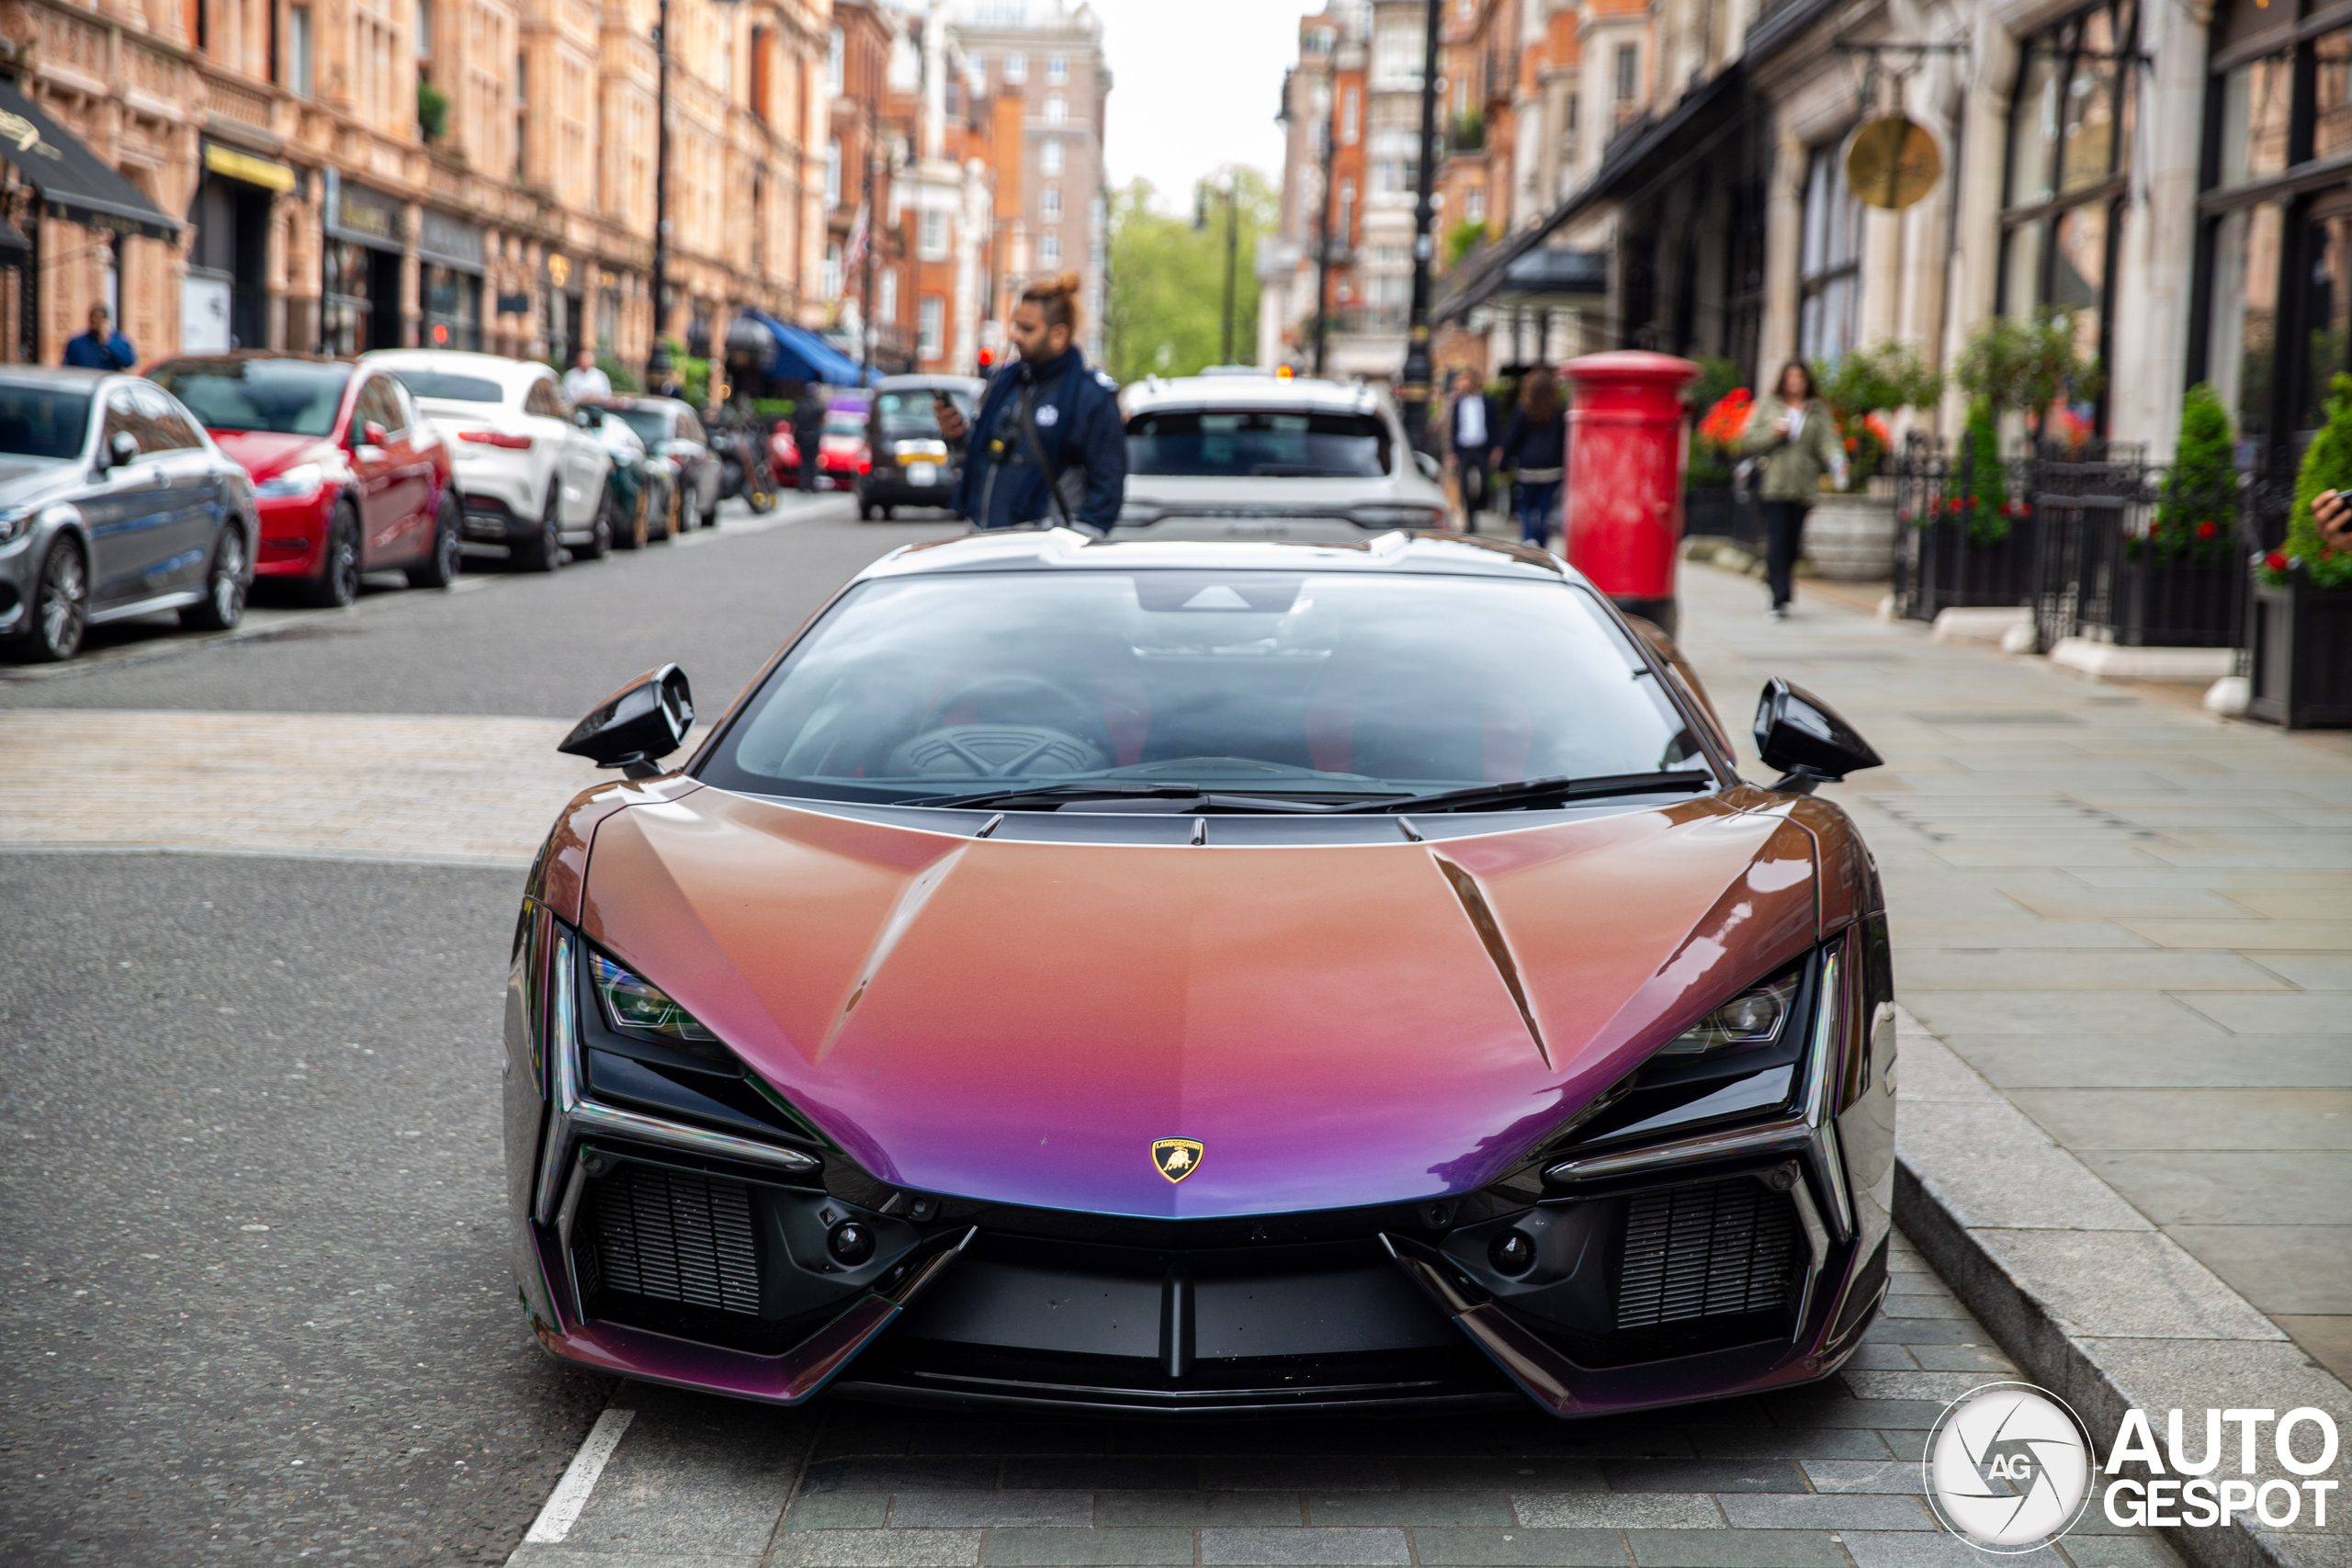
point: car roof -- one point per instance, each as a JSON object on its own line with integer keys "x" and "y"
{"x": 461, "y": 361}
{"x": 1254, "y": 390}
{"x": 917, "y": 383}
{"x": 1398, "y": 553}
{"x": 240, "y": 356}
{"x": 61, "y": 376}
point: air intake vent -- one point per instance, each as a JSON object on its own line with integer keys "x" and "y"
{"x": 676, "y": 1236}
{"x": 1716, "y": 1250}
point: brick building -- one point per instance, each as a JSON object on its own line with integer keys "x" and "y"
{"x": 383, "y": 172}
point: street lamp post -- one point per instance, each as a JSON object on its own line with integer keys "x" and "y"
{"x": 1413, "y": 388}
{"x": 1323, "y": 236}
{"x": 658, "y": 361}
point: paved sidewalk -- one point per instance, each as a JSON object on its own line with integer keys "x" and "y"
{"x": 1824, "y": 1477}
{"x": 2133, "y": 918}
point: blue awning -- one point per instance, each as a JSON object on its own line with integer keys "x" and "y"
{"x": 758, "y": 342}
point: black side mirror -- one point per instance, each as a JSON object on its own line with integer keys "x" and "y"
{"x": 1802, "y": 736}
{"x": 122, "y": 449}
{"x": 645, "y": 720}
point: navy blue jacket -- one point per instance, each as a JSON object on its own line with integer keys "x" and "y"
{"x": 86, "y": 352}
{"x": 1076, "y": 412}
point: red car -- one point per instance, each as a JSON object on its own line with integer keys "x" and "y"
{"x": 843, "y": 455}
{"x": 784, "y": 455}
{"x": 349, "y": 476}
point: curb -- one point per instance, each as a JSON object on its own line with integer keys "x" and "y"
{"x": 2094, "y": 1301}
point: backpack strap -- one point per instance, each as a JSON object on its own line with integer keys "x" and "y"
{"x": 1024, "y": 410}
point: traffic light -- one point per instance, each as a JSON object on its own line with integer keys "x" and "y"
{"x": 987, "y": 360}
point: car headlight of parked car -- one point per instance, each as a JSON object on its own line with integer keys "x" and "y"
{"x": 14, "y": 520}
{"x": 299, "y": 482}
{"x": 1753, "y": 1018}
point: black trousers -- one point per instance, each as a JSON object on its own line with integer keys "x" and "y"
{"x": 1471, "y": 472}
{"x": 1783, "y": 539}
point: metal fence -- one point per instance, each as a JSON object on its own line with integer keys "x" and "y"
{"x": 2101, "y": 543}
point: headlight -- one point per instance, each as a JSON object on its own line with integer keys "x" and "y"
{"x": 297, "y": 483}
{"x": 14, "y": 520}
{"x": 1755, "y": 1017}
{"x": 639, "y": 1005}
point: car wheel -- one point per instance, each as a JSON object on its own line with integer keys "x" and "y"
{"x": 680, "y": 521}
{"x": 710, "y": 513}
{"x": 224, "y": 587}
{"x": 633, "y": 537}
{"x": 545, "y": 552}
{"x": 448, "y": 558}
{"x": 599, "y": 538}
{"x": 657, "y": 518}
{"x": 337, "y": 583}
{"x": 61, "y": 606}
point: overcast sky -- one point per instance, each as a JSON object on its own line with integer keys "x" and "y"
{"x": 1195, "y": 85}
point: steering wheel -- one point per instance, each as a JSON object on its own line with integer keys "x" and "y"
{"x": 992, "y": 750}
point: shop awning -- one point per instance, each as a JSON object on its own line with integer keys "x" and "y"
{"x": 758, "y": 341}
{"x": 75, "y": 185}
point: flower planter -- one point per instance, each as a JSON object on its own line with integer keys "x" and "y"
{"x": 2301, "y": 642}
{"x": 2180, "y": 601}
{"x": 1850, "y": 539}
{"x": 1940, "y": 568}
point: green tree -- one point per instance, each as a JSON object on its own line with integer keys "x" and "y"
{"x": 1165, "y": 310}
{"x": 2327, "y": 464}
{"x": 2200, "y": 496}
{"x": 2025, "y": 363}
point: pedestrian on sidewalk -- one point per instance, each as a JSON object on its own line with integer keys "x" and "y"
{"x": 1468, "y": 440}
{"x": 1048, "y": 444}
{"x": 100, "y": 349}
{"x": 586, "y": 379}
{"x": 1535, "y": 449}
{"x": 807, "y": 431}
{"x": 1798, "y": 441}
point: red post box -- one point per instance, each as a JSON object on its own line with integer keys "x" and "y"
{"x": 1628, "y": 445}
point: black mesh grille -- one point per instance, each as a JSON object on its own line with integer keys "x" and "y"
{"x": 676, "y": 1236}
{"x": 1715, "y": 1251}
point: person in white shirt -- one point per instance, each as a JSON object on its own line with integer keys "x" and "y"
{"x": 583, "y": 381}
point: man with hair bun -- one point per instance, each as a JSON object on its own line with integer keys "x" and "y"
{"x": 1047, "y": 446}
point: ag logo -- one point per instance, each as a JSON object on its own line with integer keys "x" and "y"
{"x": 2008, "y": 1468}
{"x": 1176, "y": 1158}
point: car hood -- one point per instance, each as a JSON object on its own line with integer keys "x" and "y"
{"x": 264, "y": 453}
{"x": 1338, "y": 1025}
{"x": 26, "y": 480}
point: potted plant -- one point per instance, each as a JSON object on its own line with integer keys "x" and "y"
{"x": 2301, "y": 635}
{"x": 1958, "y": 546}
{"x": 1725, "y": 406}
{"x": 1850, "y": 535}
{"x": 2179, "y": 584}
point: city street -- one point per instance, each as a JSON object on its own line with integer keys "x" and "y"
{"x": 263, "y": 1310}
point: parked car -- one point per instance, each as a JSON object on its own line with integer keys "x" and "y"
{"x": 350, "y": 478}
{"x": 912, "y": 464}
{"x": 843, "y": 458}
{"x": 670, "y": 429}
{"x": 531, "y": 474}
{"x": 1250, "y": 455}
{"x": 644, "y": 487}
{"x": 783, "y": 454}
{"x": 1455, "y": 1027}
{"x": 113, "y": 502}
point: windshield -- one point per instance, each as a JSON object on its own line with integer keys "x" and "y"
{"x": 850, "y": 424}
{"x": 1242, "y": 444}
{"x": 291, "y": 397}
{"x": 41, "y": 421}
{"x": 1339, "y": 686}
{"x": 452, "y": 388}
{"x": 650, "y": 424}
{"x": 908, "y": 416}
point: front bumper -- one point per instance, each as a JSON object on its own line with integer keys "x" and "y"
{"x": 894, "y": 486}
{"x": 293, "y": 535}
{"x": 1747, "y": 1260}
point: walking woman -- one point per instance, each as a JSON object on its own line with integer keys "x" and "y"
{"x": 1535, "y": 449}
{"x": 1798, "y": 441}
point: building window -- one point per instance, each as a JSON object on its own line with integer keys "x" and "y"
{"x": 1016, "y": 68}
{"x": 1473, "y": 205}
{"x": 836, "y": 61}
{"x": 1344, "y": 227}
{"x": 1056, "y": 110}
{"x": 522, "y": 115}
{"x": 1629, "y": 71}
{"x": 2070, "y": 129}
{"x": 833, "y": 172}
{"x": 424, "y": 29}
{"x": 1049, "y": 157}
{"x": 931, "y": 330}
{"x": 300, "y": 77}
{"x": 1351, "y": 107}
{"x": 886, "y": 297}
{"x": 1049, "y": 249}
{"x": 1051, "y": 204}
{"x": 2274, "y": 320}
{"x": 1830, "y": 262}
{"x": 931, "y": 235}
{"x": 1057, "y": 68}
{"x": 832, "y": 284}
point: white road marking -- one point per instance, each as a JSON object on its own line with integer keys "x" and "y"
{"x": 571, "y": 1495}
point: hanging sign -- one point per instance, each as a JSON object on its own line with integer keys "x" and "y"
{"x": 1892, "y": 162}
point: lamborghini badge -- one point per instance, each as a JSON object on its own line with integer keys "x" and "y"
{"x": 1176, "y": 1158}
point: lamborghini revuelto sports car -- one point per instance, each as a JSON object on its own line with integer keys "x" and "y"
{"x": 1199, "y": 977}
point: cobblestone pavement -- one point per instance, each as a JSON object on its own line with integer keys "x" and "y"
{"x": 2133, "y": 918}
{"x": 1824, "y": 1477}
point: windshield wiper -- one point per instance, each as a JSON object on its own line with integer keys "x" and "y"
{"x": 1178, "y": 798}
{"x": 1528, "y": 792}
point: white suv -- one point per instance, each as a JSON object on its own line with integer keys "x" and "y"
{"x": 533, "y": 479}
{"x": 1255, "y": 456}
